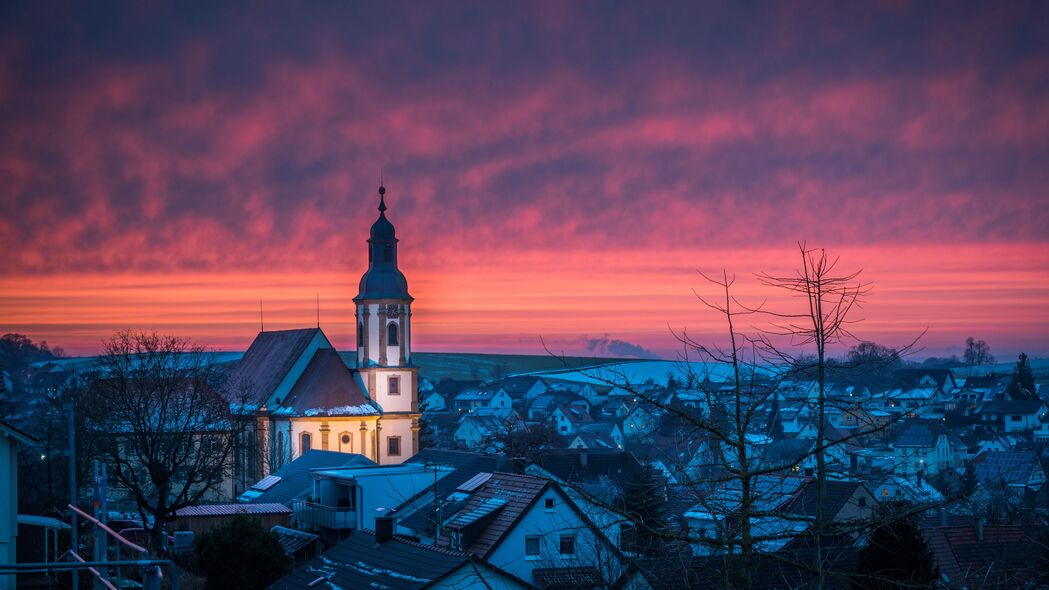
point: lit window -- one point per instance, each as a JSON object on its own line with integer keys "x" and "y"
{"x": 567, "y": 544}
{"x": 395, "y": 385}
{"x": 393, "y": 446}
{"x": 532, "y": 546}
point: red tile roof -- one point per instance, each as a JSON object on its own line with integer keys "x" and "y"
{"x": 520, "y": 493}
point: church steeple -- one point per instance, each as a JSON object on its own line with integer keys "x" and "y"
{"x": 383, "y": 280}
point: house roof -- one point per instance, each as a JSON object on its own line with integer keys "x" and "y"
{"x": 783, "y": 570}
{"x": 327, "y": 386}
{"x": 1012, "y": 467}
{"x": 476, "y": 394}
{"x": 919, "y": 434}
{"x": 839, "y": 493}
{"x": 1011, "y": 406}
{"x": 519, "y": 493}
{"x": 568, "y": 578}
{"x": 208, "y": 510}
{"x": 292, "y": 540}
{"x": 1005, "y": 558}
{"x": 417, "y": 513}
{"x": 295, "y": 477}
{"x": 451, "y": 387}
{"x": 266, "y": 363}
{"x": 359, "y": 563}
{"x": 519, "y": 385}
{"x": 7, "y": 429}
{"x": 909, "y": 378}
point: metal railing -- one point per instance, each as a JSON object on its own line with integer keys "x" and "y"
{"x": 320, "y": 515}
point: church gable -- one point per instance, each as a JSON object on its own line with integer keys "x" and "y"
{"x": 327, "y": 387}
{"x": 273, "y": 364}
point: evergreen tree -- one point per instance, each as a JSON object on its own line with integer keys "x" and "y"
{"x": 896, "y": 556}
{"x": 427, "y": 438}
{"x": 642, "y": 505}
{"x": 241, "y": 555}
{"x": 1022, "y": 384}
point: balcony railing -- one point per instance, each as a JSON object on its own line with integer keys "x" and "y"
{"x": 329, "y": 517}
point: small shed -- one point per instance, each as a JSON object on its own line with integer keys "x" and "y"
{"x": 201, "y": 519}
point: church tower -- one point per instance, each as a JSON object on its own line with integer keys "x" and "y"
{"x": 384, "y": 335}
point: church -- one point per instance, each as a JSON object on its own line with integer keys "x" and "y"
{"x": 299, "y": 393}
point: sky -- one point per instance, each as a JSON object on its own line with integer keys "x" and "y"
{"x": 557, "y": 172}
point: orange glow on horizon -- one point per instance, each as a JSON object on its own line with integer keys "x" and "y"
{"x": 506, "y": 302}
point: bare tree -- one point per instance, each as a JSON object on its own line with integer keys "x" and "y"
{"x": 155, "y": 416}
{"x": 977, "y": 353}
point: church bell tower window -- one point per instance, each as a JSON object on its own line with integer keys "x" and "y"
{"x": 391, "y": 334}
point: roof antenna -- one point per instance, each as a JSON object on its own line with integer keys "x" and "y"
{"x": 318, "y": 310}
{"x": 262, "y": 323}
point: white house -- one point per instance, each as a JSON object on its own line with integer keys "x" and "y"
{"x": 10, "y": 438}
{"x": 923, "y": 447}
{"x": 529, "y": 527}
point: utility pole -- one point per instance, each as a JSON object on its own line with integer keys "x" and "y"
{"x": 74, "y": 544}
{"x": 101, "y": 512}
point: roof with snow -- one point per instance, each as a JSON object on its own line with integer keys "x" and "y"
{"x": 266, "y": 363}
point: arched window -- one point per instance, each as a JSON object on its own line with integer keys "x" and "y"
{"x": 360, "y": 335}
{"x": 391, "y": 334}
{"x": 305, "y": 442}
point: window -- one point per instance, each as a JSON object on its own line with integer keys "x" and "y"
{"x": 305, "y": 441}
{"x": 346, "y": 439}
{"x": 393, "y": 446}
{"x": 394, "y": 385}
{"x": 567, "y": 544}
{"x": 532, "y": 546}
{"x": 1016, "y": 418}
{"x": 861, "y": 502}
{"x": 391, "y": 334}
{"x": 549, "y": 503}
{"x": 360, "y": 335}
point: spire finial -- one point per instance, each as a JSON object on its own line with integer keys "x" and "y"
{"x": 382, "y": 193}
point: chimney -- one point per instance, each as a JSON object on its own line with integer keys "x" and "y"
{"x": 979, "y": 530}
{"x": 383, "y": 528}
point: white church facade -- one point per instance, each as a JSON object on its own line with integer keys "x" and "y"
{"x": 300, "y": 393}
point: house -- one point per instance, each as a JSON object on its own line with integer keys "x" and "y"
{"x": 293, "y": 482}
{"x": 421, "y": 515}
{"x": 714, "y": 518}
{"x": 481, "y": 431}
{"x": 598, "y": 435}
{"x": 350, "y": 498}
{"x": 529, "y": 527}
{"x": 378, "y": 559}
{"x": 475, "y": 399}
{"x": 10, "y": 438}
{"x": 1009, "y": 415}
{"x": 986, "y": 556}
{"x": 923, "y": 448}
{"x": 846, "y": 502}
{"x": 566, "y": 420}
{"x": 895, "y": 488}
{"x": 523, "y": 389}
{"x": 1013, "y": 469}
{"x": 204, "y": 517}
{"x": 434, "y": 401}
{"x": 641, "y": 423}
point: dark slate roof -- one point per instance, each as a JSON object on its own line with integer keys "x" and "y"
{"x": 908, "y": 378}
{"x": 517, "y": 386}
{"x": 266, "y": 363}
{"x": 581, "y": 465}
{"x": 1014, "y": 467}
{"x": 919, "y": 434}
{"x": 451, "y": 387}
{"x": 326, "y": 383}
{"x": 292, "y": 540}
{"x": 519, "y": 492}
{"x": 1011, "y": 406}
{"x": 418, "y": 512}
{"x": 295, "y": 476}
{"x": 994, "y": 382}
{"x": 786, "y": 452}
{"x": 359, "y": 563}
{"x": 803, "y": 502}
{"x": 783, "y": 570}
